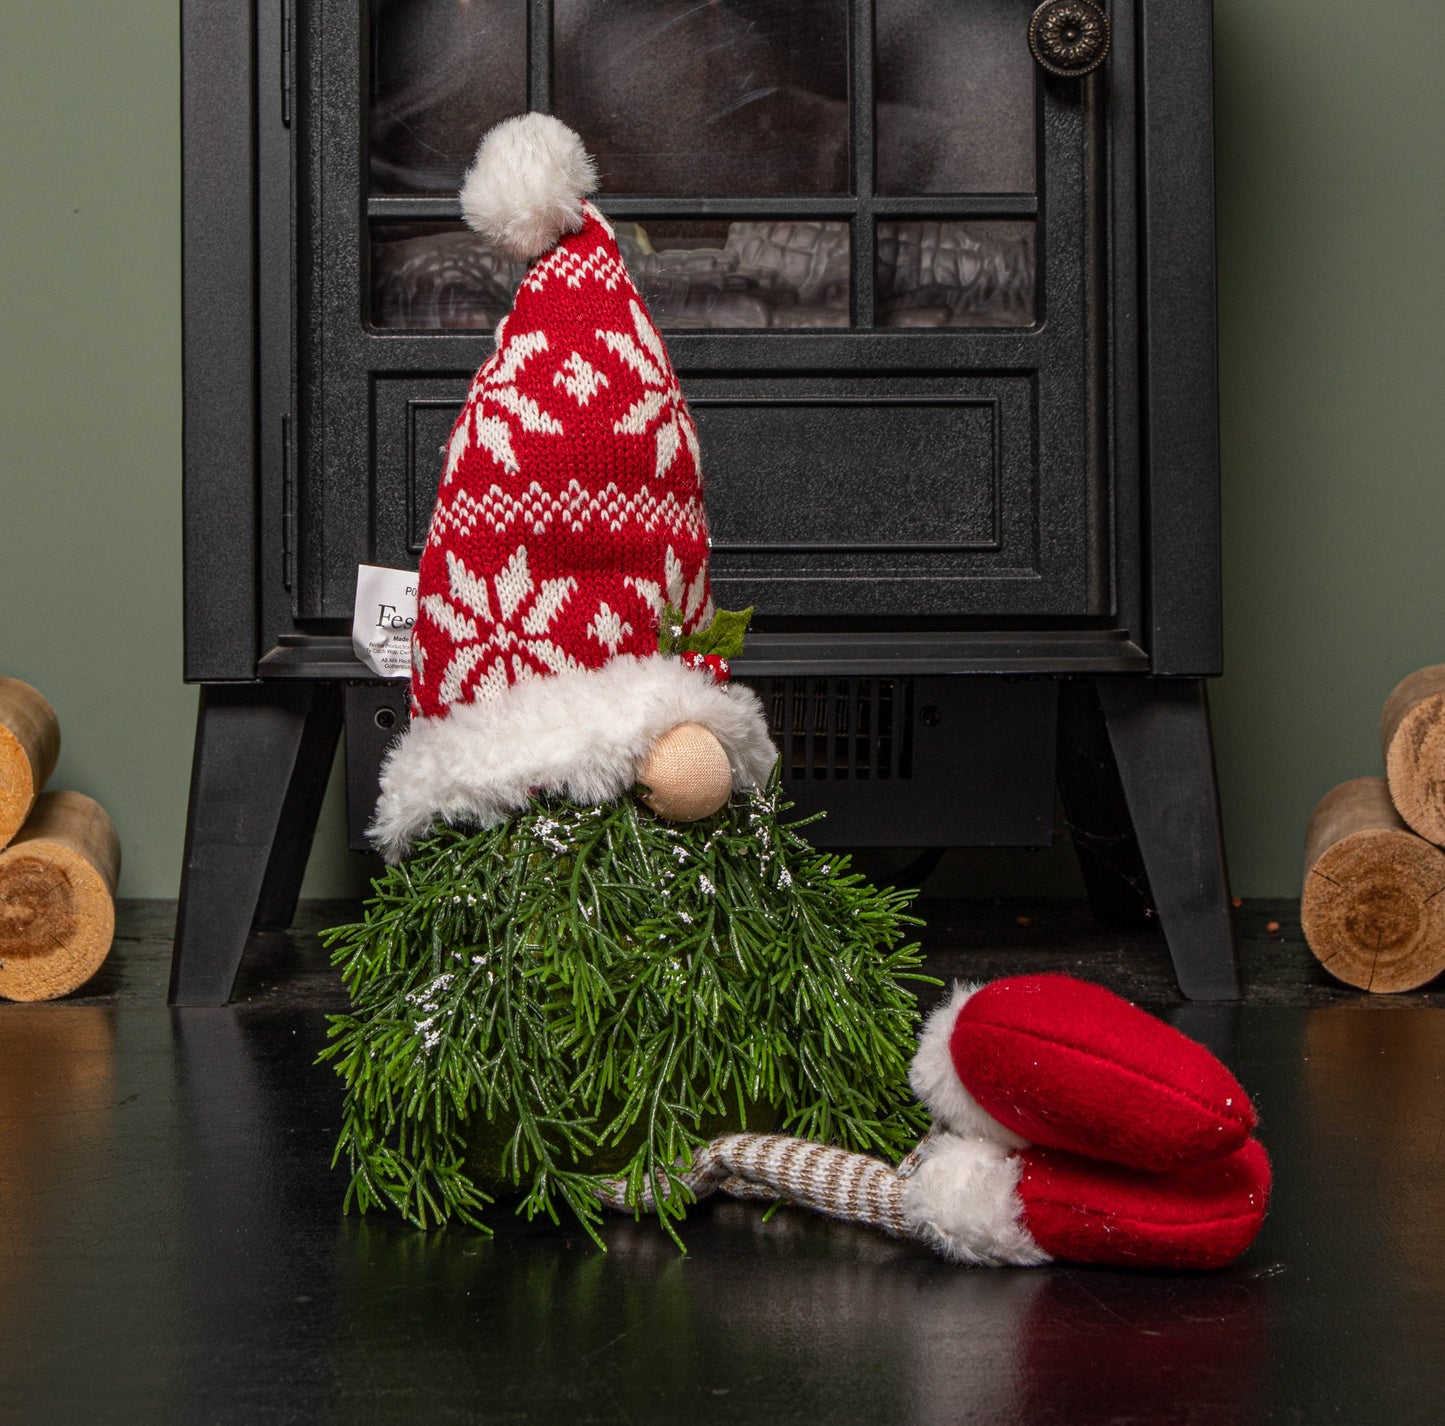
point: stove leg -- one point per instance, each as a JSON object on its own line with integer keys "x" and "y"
{"x": 286, "y": 869}
{"x": 1159, "y": 730}
{"x": 1098, "y": 814}
{"x": 261, "y": 760}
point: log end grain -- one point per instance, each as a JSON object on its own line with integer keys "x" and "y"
{"x": 57, "y": 922}
{"x": 1415, "y": 766}
{"x": 57, "y": 908}
{"x": 29, "y": 747}
{"x": 17, "y": 785}
{"x": 1372, "y": 908}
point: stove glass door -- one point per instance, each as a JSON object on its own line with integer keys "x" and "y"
{"x": 872, "y": 229}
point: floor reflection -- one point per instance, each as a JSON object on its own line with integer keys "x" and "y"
{"x": 792, "y": 1320}
{"x": 174, "y": 1249}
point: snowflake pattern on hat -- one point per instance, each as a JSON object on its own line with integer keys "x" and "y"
{"x": 570, "y": 508}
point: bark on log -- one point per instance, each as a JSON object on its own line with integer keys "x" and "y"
{"x": 57, "y": 898}
{"x": 1412, "y": 738}
{"x": 1372, "y": 908}
{"x": 29, "y": 746}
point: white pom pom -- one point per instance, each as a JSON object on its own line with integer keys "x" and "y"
{"x": 525, "y": 188}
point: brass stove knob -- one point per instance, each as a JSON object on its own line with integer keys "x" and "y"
{"x": 1069, "y": 37}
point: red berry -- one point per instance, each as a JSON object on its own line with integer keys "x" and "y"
{"x": 714, "y": 665}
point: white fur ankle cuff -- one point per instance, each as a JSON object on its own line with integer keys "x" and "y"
{"x": 963, "y": 1201}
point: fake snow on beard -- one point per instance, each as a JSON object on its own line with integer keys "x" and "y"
{"x": 731, "y": 937}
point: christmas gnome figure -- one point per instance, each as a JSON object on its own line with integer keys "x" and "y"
{"x": 602, "y": 971}
{"x": 598, "y": 944}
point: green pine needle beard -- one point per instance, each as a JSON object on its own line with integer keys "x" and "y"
{"x": 590, "y": 992}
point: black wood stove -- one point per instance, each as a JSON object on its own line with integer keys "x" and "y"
{"x": 938, "y": 278}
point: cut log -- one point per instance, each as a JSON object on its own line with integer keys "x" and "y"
{"x": 57, "y": 898}
{"x": 29, "y": 746}
{"x": 1412, "y": 738}
{"x": 1372, "y": 908}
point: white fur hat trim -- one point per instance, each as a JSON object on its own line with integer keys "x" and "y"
{"x": 579, "y": 733}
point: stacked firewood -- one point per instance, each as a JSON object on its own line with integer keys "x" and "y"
{"x": 1372, "y": 908}
{"x": 59, "y": 860}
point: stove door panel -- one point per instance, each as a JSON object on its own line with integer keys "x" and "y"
{"x": 827, "y": 496}
{"x": 836, "y": 496}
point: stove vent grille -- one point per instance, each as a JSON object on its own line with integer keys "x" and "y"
{"x": 857, "y": 728}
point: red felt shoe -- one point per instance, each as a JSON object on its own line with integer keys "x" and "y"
{"x": 1054, "y": 1061}
{"x": 1205, "y": 1216}
{"x": 1069, "y": 1126}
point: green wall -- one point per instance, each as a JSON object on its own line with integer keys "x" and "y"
{"x": 90, "y": 414}
{"x": 1332, "y": 324}
{"x": 1331, "y": 171}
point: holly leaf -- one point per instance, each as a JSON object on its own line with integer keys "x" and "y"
{"x": 724, "y": 636}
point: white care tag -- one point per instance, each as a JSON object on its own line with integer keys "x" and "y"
{"x": 381, "y": 625}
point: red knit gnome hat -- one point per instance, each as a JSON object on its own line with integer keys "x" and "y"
{"x": 569, "y": 516}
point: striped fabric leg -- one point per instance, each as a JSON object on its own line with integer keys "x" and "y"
{"x": 853, "y": 1187}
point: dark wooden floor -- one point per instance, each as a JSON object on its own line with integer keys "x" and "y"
{"x": 173, "y": 1247}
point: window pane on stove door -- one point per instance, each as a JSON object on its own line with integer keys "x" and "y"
{"x": 707, "y": 97}
{"x": 693, "y": 274}
{"x": 442, "y": 73}
{"x": 954, "y": 95}
{"x": 773, "y": 273}
{"x": 955, "y": 274}
{"x": 438, "y": 276}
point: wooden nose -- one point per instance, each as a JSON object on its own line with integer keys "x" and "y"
{"x": 685, "y": 775}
